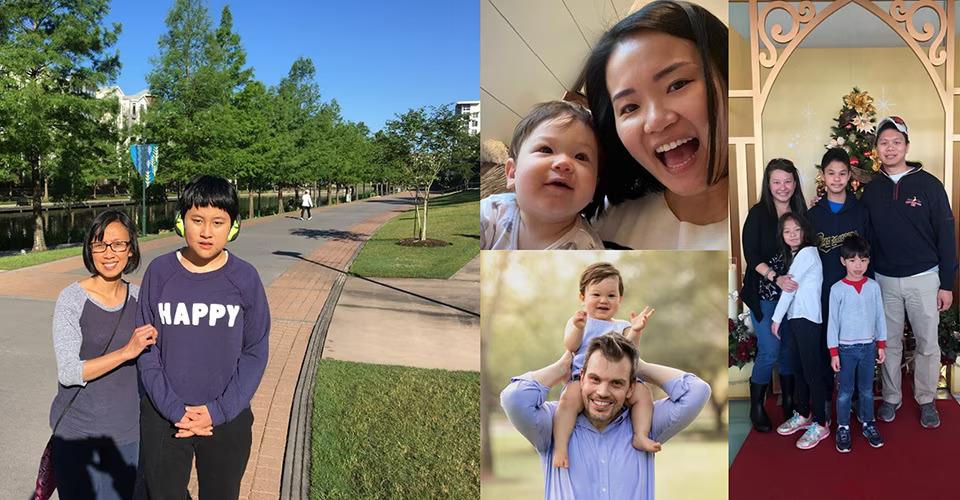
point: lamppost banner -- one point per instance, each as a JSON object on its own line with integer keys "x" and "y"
{"x": 145, "y": 158}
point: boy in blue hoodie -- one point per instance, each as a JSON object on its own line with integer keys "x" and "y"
{"x": 213, "y": 321}
{"x": 838, "y": 215}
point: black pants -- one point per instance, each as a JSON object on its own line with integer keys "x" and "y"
{"x": 308, "y": 211}
{"x": 808, "y": 367}
{"x": 165, "y": 460}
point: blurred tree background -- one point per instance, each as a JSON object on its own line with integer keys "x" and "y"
{"x": 526, "y": 299}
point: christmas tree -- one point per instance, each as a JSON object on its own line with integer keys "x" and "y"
{"x": 855, "y": 132}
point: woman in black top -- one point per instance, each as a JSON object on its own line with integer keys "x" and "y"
{"x": 764, "y": 279}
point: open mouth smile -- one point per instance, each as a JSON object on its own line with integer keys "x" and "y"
{"x": 678, "y": 154}
{"x": 559, "y": 183}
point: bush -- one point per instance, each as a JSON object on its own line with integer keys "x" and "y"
{"x": 394, "y": 432}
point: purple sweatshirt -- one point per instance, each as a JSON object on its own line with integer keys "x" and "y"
{"x": 213, "y": 337}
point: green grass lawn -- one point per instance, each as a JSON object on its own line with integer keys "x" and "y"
{"x": 394, "y": 432}
{"x": 28, "y": 259}
{"x": 454, "y": 218}
{"x": 686, "y": 468}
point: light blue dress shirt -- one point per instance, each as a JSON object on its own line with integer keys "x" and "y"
{"x": 603, "y": 464}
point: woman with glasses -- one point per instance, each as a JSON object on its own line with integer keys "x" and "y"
{"x": 95, "y": 414}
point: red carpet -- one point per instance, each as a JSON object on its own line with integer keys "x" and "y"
{"x": 914, "y": 463}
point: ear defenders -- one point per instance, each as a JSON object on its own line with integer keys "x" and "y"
{"x": 234, "y": 230}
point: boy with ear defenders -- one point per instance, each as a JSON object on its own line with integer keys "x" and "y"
{"x": 213, "y": 319}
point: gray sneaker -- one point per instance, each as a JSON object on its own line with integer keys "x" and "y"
{"x": 929, "y": 418}
{"x": 888, "y": 411}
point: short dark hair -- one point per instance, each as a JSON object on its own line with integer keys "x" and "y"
{"x": 95, "y": 233}
{"x": 855, "y": 246}
{"x": 808, "y": 239}
{"x": 595, "y": 273}
{"x": 567, "y": 111}
{"x": 210, "y": 191}
{"x": 629, "y": 179}
{"x": 614, "y": 347}
{"x": 797, "y": 203}
{"x": 835, "y": 154}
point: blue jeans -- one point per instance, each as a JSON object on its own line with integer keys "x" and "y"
{"x": 770, "y": 349}
{"x": 857, "y": 363}
{"x": 95, "y": 468}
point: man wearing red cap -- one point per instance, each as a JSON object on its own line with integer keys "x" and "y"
{"x": 915, "y": 261}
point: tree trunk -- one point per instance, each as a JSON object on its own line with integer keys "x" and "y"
{"x": 416, "y": 210}
{"x": 488, "y": 398}
{"x": 94, "y": 190}
{"x": 719, "y": 426}
{"x": 423, "y": 228}
{"x": 46, "y": 186}
{"x": 329, "y": 202}
{"x": 279, "y": 201}
{"x": 250, "y": 200}
{"x": 39, "y": 244}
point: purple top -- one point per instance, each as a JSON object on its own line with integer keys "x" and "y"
{"x": 213, "y": 337}
{"x": 603, "y": 464}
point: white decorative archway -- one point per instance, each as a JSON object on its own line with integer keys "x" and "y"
{"x": 804, "y": 18}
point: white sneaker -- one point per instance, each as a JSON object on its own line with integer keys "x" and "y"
{"x": 794, "y": 424}
{"x": 815, "y": 433}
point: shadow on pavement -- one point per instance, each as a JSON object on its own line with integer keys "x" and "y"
{"x": 392, "y": 201}
{"x": 332, "y": 234}
{"x": 300, "y": 256}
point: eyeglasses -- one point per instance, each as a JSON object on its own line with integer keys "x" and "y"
{"x": 116, "y": 246}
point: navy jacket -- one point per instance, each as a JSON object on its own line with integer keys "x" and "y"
{"x": 830, "y": 229}
{"x": 912, "y": 226}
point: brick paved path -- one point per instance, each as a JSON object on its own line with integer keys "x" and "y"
{"x": 296, "y": 290}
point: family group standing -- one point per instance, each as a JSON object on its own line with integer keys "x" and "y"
{"x": 815, "y": 267}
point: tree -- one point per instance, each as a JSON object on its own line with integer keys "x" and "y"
{"x": 54, "y": 55}
{"x": 435, "y": 141}
{"x": 298, "y": 121}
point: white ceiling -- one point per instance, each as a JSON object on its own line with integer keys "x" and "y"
{"x": 851, "y": 26}
{"x": 532, "y": 51}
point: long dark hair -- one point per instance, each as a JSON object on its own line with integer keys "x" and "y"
{"x": 808, "y": 239}
{"x": 797, "y": 203}
{"x": 629, "y": 179}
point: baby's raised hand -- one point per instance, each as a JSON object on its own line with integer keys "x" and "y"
{"x": 579, "y": 319}
{"x": 639, "y": 321}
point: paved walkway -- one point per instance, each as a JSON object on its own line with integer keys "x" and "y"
{"x": 296, "y": 290}
{"x": 377, "y": 324}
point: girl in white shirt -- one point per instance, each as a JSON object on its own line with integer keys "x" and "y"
{"x": 802, "y": 308}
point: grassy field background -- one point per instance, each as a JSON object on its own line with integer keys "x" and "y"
{"x": 454, "y": 218}
{"x": 394, "y": 432}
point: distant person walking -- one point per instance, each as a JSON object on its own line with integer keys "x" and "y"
{"x": 305, "y": 203}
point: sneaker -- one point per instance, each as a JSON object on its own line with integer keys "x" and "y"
{"x": 794, "y": 424}
{"x": 815, "y": 433}
{"x": 310, "y": 218}
{"x": 873, "y": 436}
{"x": 929, "y": 418}
{"x": 888, "y": 411}
{"x": 843, "y": 439}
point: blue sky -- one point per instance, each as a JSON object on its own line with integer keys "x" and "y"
{"x": 375, "y": 57}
